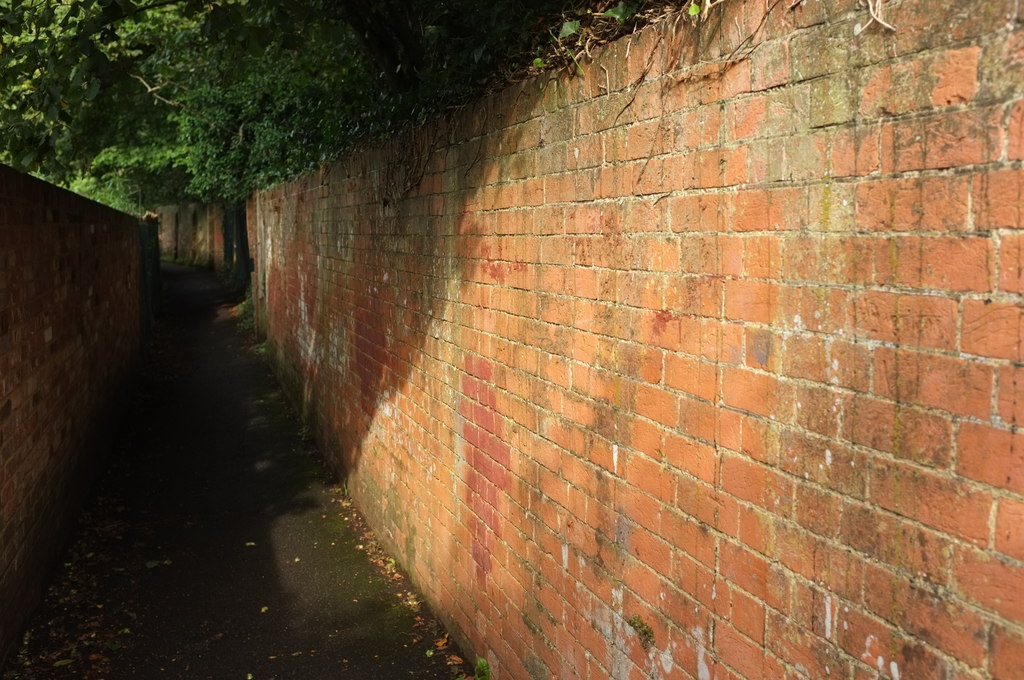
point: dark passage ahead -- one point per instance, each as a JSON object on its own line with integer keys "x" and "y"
{"x": 215, "y": 549}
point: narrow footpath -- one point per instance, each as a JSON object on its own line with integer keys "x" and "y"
{"x": 213, "y": 547}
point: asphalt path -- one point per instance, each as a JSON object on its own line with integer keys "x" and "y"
{"x": 214, "y": 546}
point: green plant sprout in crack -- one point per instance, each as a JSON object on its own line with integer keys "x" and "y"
{"x": 643, "y": 631}
{"x": 482, "y": 671}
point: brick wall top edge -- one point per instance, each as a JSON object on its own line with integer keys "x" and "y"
{"x": 15, "y": 185}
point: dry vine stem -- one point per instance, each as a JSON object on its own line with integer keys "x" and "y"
{"x": 707, "y": 7}
{"x": 875, "y": 9}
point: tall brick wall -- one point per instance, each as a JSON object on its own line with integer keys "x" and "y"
{"x": 722, "y": 338}
{"x": 69, "y": 340}
{"x": 192, "y": 232}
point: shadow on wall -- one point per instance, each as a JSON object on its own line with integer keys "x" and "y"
{"x": 380, "y": 283}
{"x": 351, "y": 287}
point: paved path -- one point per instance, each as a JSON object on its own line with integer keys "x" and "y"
{"x": 214, "y": 548}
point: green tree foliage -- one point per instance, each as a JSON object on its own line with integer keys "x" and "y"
{"x": 140, "y": 102}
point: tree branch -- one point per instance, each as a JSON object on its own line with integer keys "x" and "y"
{"x": 150, "y": 89}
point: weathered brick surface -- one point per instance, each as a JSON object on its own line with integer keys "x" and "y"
{"x": 69, "y": 341}
{"x": 733, "y": 347}
{"x": 193, "y": 233}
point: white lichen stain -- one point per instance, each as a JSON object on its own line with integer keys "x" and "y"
{"x": 703, "y": 670}
{"x": 894, "y": 670}
{"x": 828, "y": 617}
{"x": 666, "y": 660}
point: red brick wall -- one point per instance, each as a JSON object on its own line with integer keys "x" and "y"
{"x": 69, "y": 340}
{"x": 191, "y": 232}
{"x": 733, "y": 347}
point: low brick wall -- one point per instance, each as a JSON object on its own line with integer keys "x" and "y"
{"x": 719, "y": 343}
{"x": 69, "y": 344}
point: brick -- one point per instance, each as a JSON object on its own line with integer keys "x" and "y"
{"x": 1009, "y": 520}
{"x": 657, "y": 404}
{"x": 899, "y": 543}
{"x": 927, "y": 615}
{"x": 695, "y": 295}
{"x": 698, "y": 419}
{"x": 761, "y": 256}
{"x": 817, "y": 510}
{"x": 768, "y": 210}
{"x": 943, "y": 140}
{"x": 739, "y": 652}
{"x": 998, "y": 197}
{"x": 691, "y": 375}
{"x": 745, "y": 568}
{"x": 831, "y": 102}
{"x": 916, "y": 204}
{"x": 936, "y": 263}
{"x": 750, "y": 391}
{"x": 818, "y": 309}
{"x": 990, "y": 583}
{"x": 856, "y": 151}
{"x": 1011, "y": 387}
{"x": 927, "y": 496}
{"x": 956, "y": 76}
{"x": 804, "y": 357}
{"x": 991, "y": 455}
{"x": 1007, "y": 653}
{"x": 1016, "y": 131}
{"x": 750, "y": 301}
{"x": 695, "y": 212}
{"x": 1011, "y": 263}
{"x": 805, "y": 649}
{"x": 905, "y": 432}
{"x": 746, "y": 117}
{"x": 756, "y": 483}
{"x": 884, "y": 650}
{"x": 924, "y": 321}
{"x": 992, "y": 329}
{"x": 824, "y": 462}
{"x": 934, "y": 381}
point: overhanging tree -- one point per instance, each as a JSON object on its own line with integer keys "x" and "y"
{"x": 141, "y": 102}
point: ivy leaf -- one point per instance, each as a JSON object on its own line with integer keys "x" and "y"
{"x": 621, "y": 12}
{"x": 694, "y": 9}
{"x": 569, "y": 28}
